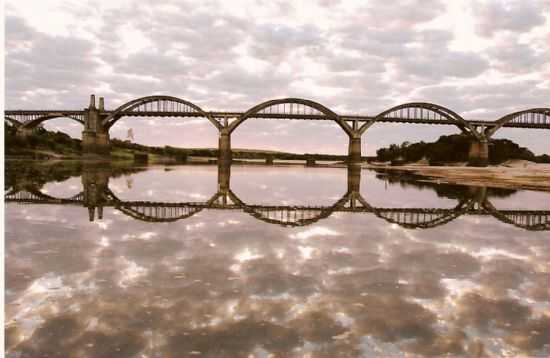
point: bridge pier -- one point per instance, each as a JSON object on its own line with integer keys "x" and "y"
{"x": 479, "y": 153}
{"x": 95, "y": 137}
{"x": 354, "y": 150}
{"x": 224, "y": 147}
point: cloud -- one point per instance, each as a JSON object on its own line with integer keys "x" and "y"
{"x": 515, "y": 16}
{"x": 351, "y": 57}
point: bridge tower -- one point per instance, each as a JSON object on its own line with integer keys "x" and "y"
{"x": 95, "y": 182}
{"x": 95, "y": 137}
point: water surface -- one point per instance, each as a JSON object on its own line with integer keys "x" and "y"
{"x": 268, "y": 261}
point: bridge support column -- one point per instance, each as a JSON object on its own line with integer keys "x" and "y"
{"x": 95, "y": 137}
{"x": 354, "y": 150}
{"x": 479, "y": 153}
{"x": 224, "y": 147}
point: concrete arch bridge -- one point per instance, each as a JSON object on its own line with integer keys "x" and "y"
{"x": 97, "y": 121}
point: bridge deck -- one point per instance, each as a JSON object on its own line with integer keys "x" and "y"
{"x": 223, "y": 114}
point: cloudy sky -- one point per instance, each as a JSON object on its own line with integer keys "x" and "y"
{"x": 482, "y": 59}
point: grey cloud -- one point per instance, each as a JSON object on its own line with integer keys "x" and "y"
{"x": 275, "y": 41}
{"x": 401, "y": 13}
{"x": 511, "y": 56}
{"x": 36, "y": 61}
{"x": 496, "y": 99}
{"x": 148, "y": 63}
{"x": 369, "y": 59}
{"x": 515, "y": 16}
{"x": 446, "y": 64}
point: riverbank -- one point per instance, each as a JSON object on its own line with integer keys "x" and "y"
{"x": 512, "y": 174}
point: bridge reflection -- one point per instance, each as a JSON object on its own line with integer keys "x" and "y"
{"x": 97, "y": 195}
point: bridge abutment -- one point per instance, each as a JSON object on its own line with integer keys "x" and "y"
{"x": 478, "y": 155}
{"x": 224, "y": 147}
{"x": 95, "y": 137}
{"x": 354, "y": 150}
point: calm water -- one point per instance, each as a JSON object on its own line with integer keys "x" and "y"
{"x": 255, "y": 261}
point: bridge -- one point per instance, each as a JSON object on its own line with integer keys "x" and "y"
{"x": 97, "y": 121}
{"x": 97, "y": 195}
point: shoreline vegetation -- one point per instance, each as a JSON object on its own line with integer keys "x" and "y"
{"x": 444, "y": 161}
{"x": 47, "y": 145}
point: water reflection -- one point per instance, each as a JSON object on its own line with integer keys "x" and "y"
{"x": 341, "y": 275}
{"x": 470, "y": 201}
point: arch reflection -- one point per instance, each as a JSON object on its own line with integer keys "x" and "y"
{"x": 97, "y": 195}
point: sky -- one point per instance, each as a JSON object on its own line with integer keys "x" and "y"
{"x": 482, "y": 59}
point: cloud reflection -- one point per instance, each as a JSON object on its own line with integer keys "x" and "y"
{"x": 351, "y": 286}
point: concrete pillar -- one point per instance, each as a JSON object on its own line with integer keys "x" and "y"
{"x": 224, "y": 147}
{"x": 95, "y": 138}
{"x": 479, "y": 153}
{"x": 354, "y": 150}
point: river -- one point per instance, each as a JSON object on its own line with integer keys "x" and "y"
{"x": 270, "y": 261}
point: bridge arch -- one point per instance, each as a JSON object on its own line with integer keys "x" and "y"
{"x": 289, "y": 216}
{"x": 286, "y": 106}
{"x": 13, "y": 122}
{"x": 158, "y": 103}
{"x": 35, "y": 122}
{"x": 532, "y": 116}
{"x": 153, "y": 212}
{"x": 417, "y": 112}
{"x": 33, "y": 194}
{"x": 429, "y": 218}
{"x": 531, "y": 221}
{"x": 164, "y": 214}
